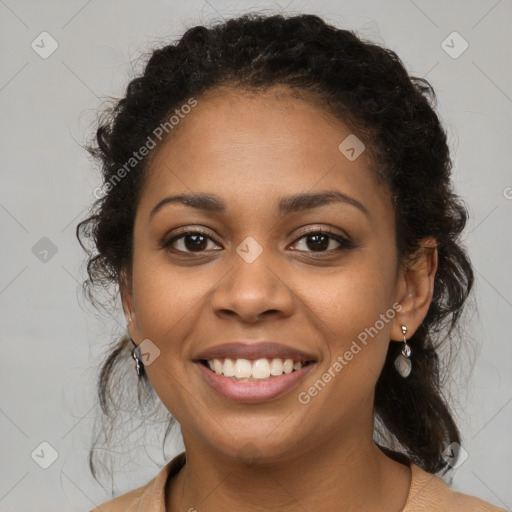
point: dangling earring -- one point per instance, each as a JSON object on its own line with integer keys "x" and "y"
{"x": 403, "y": 364}
{"x": 138, "y": 358}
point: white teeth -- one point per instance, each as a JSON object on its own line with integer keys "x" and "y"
{"x": 217, "y": 366}
{"x": 229, "y": 368}
{"x": 276, "y": 367}
{"x": 288, "y": 366}
{"x": 259, "y": 369}
{"x": 243, "y": 368}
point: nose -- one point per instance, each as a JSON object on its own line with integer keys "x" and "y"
{"x": 250, "y": 291}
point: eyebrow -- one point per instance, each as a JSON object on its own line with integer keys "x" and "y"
{"x": 286, "y": 205}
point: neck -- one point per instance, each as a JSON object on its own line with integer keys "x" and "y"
{"x": 349, "y": 476}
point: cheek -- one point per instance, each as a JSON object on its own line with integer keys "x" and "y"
{"x": 166, "y": 296}
{"x": 354, "y": 310}
{"x": 358, "y": 293}
{"x": 168, "y": 305}
{"x": 355, "y": 307}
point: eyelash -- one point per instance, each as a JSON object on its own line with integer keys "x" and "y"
{"x": 344, "y": 242}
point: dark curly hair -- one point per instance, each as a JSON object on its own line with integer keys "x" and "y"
{"x": 369, "y": 89}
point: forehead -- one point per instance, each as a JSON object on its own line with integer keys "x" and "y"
{"x": 254, "y": 147}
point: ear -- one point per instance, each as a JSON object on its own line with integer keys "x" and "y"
{"x": 415, "y": 288}
{"x": 126, "y": 291}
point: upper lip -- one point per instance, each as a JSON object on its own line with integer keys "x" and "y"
{"x": 254, "y": 350}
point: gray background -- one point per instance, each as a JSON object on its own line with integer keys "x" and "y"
{"x": 51, "y": 347}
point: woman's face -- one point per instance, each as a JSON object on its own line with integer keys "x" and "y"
{"x": 254, "y": 274}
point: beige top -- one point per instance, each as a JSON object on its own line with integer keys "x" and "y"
{"x": 428, "y": 493}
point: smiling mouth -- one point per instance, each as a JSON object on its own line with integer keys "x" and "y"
{"x": 245, "y": 370}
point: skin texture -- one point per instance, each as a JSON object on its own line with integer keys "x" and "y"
{"x": 250, "y": 150}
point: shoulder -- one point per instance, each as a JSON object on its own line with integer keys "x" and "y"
{"x": 146, "y": 498}
{"x": 129, "y": 502}
{"x": 429, "y": 493}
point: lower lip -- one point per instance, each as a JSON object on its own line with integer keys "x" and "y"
{"x": 253, "y": 391}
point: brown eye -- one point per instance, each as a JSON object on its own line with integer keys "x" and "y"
{"x": 322, "y": 241}
{"x": 318, "y": 242}
{"x": 191, "y": 241}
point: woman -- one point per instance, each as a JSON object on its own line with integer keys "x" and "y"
{"x": 278, "y": 215}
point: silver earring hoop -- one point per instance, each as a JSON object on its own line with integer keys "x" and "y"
{"x": 138, "y": 358}
{"x": 403, "y": 363}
